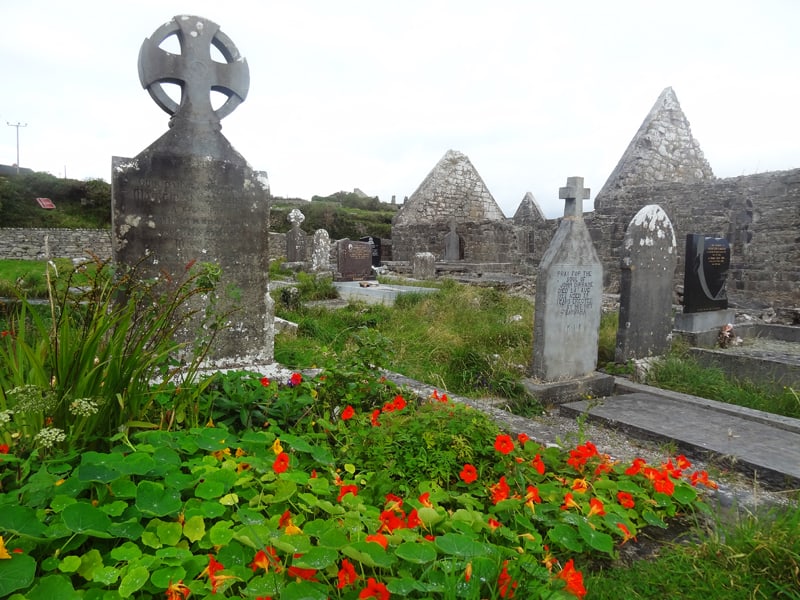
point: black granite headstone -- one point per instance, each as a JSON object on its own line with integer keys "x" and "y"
{"x": 376, "y": 249}
{"x": 354, "y": 260}
{"x": 706, "y": 265}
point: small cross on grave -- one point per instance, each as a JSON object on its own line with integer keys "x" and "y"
{"x": 574, "y": 194}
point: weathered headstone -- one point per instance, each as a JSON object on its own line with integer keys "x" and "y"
{"x": 423, "y": 265}
{"x": 354, "y": 260}
{"x": 649, "y": 255}
{"x": 295, "y": 238}
{"x": 190, "y": 197}
{"x": 452, "y": 244}
{"x": 569, "y": 292}
{"x": 321, "y": 251}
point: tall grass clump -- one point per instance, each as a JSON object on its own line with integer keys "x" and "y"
{"x": 81, "y": 368}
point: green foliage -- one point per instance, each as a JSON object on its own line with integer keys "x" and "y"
{"x": 607, "y": 337}
{"x": 82, "y": 370}
{"x": 349, "y": 219}
{"x": 26, "y": 278}
{"x": 79, "y": 204}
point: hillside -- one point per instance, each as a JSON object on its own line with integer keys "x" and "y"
{"x": 86, "y": 204}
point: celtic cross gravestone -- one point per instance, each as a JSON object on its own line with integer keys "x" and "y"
{"x": 190, "y": 197}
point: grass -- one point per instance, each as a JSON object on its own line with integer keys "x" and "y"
{"x": 26, "y": 278}
{"x": 754, "y": 558}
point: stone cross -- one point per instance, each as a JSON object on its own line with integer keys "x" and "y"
{"x": 574, "y": 194}
{"x": 194, "y": 70}
{"x": 295, "y": 217}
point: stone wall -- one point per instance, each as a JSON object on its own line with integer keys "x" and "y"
{"x": 29, "y": 244}
{"x": 758, "y": 214}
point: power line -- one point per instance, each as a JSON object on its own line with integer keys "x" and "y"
{"x": 17, "y": 125}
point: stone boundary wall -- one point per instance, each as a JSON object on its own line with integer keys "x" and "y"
{"x": 758, "y": 214}
{"x": 29, "y": 244}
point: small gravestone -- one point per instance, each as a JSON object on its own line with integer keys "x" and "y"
{"x": 569, "y": 293}
{"x": 705, "y": 299}
{"x": 452, "y": 244}
{"x": 296, "y": 238}
{"x": 375, "y": 243}
{"x": 191, "y": 198}
{"x": 423, "y": 265}
{"x": 354, "y": 260}
{"x": 649, "y": 255}
{"x": 321, "y": 251}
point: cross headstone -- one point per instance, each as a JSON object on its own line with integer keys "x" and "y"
{"x": 574, "y": 194}
{"x": 649, "y": 256}
{"x": 296, "y": 237}
{"x": 191, "y": 198}
{"x": 569, "y": 293}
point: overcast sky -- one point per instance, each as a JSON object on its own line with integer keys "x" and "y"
{"x": 372, "y": 93}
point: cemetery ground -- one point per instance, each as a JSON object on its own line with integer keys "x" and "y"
{"x": 339, "y": 484}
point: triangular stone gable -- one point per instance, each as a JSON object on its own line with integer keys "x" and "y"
{"x": 528, "y": 212}
{"x": 453, "y": 190}
{"x": 662, "y": 151}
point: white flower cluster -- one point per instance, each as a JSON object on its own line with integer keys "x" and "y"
{"x": 50, "y": 436}
{"x": 5, "y": 416}
{"x": 30, "y": 398}
{"x": 84, "y": 407}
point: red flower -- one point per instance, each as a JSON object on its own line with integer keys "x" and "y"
{"x": 347, "y": 574}
{"x": 702, "y": 477}
{"x": 569, "y": 502}
{"x": 281, "y": 463}
{"x": 4, "y": 333}
{"x": 399, "y": 403}
{"x": 4, "y": 449}
{"x": 500, "y": 490}
{"x": 494, "y": 524}
{"x": 538, "y": 464}
{"x": 637, "y": 465}
{"x": 468, "y": 473}
{"x": 374, "y": 589}
{"x": 532, "y": 495}
{"x": 625, "y": 499}
{"x": 626, "y": 534}
{"x": 503, "y": 444}
{"x": 522, "y": 438}
{"x": 211, "y": 570}
{"x": 391, "y": 520}
{"x": 347, "y": 489}
{"x": 573, "y": 578}
{"x": 425, "y": 500}
{"x": 177, "y": 591}
{"x": 378, "y": 538}
{"x": 413, "y": 519}
{"x": 374, "y": 418}
{"x": 579, "y": 456}
{"x": 596, "y": 508}
{"x": 265, "y": 381}
{"x": 300, "y": 573}
{"x": 296, "y": 379}
{"x": 348, "y": 413}
{"x": 506, "y": 584}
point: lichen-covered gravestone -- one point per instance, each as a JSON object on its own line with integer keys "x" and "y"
{"x": 647, "y": 268}
{"x": 191, "y": 198}
{"x": 321, "y": 252}
{"x": 569, "y": 293}
{"x": 296, "y": 237}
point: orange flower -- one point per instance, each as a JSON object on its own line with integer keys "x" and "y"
{"x": 578, "y": 457}
{"x": 413, "y": 519}
{"x": 375, "y": 590}
{"x": 295, "y": 380}
{"x": 625, "y": 499}
{"x": 532, "y": 496}
{"x": 211, "y": 570}
{"x": 299, "y": 573}
{"x": 503, "y": 444}
{"x": 378, "y": 538}
{"x": 281, "y": 463}
{"x": 538, "y": 464}
{"x": 499, "y": 490}
{"x": 549, "y": 560}
{"x": 702, "y": 477}
{"x": 347, "y": 574}
{"x": 468, "y": 473}
{"x": 569, "y": 502}
{"x": 425, "y": 500}
{"x": 596, "y": 508}
{"x": 348, "y": 413}
{"x": 573, "y": 578}
{"x": 522, "y": 438}
{"x": 494, "y": 524}
{"x": 177, "y": 591}
{"x": 347, "y": 489}
{"x": 637, "y": 465}
{"x": 626, "y": 534}
{"x": 580, "y": 485}
{"x": 683, "y": 462}
{"x": 468, "y": 572}
{"x": 505, "y": 583}
{"x": 374, "y": 418}
{"x": 264, "y": 559}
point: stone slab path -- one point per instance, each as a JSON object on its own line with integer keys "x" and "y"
{"x": 749, "y": 440}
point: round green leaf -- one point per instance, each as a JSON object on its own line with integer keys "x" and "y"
{"x": 460, "y": 545}
{"x": 153, "y": 499}
{"x": 22, "y": 521}
{"x": 303, "y": 590}
{"x": 602, "y": 542}
{"x": 194, "y": 528}
{"x": 69, "y": 564}
{"x": 317, "y": 558}
{"x": 565, "y": 536}
{"x": 126, "y": 552}
{"x": 133, "y": 580}
{"x": 53, "y": 587}
{"x": 169, "y": 533}
{"x": 82, "y": 517}
{"x": 105, "y": 575}
{"x": 209, "y": 489}
{"x": 417, "y": 553}
{"x": 16, "y": 574}
{"x": 684, "y": 494}
{"x": 164, "y": 577}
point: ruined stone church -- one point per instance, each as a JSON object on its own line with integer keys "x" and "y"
{"x": 663, "y": 164}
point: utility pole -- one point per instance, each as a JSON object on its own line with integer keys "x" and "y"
{"x": 17, "y": 125}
